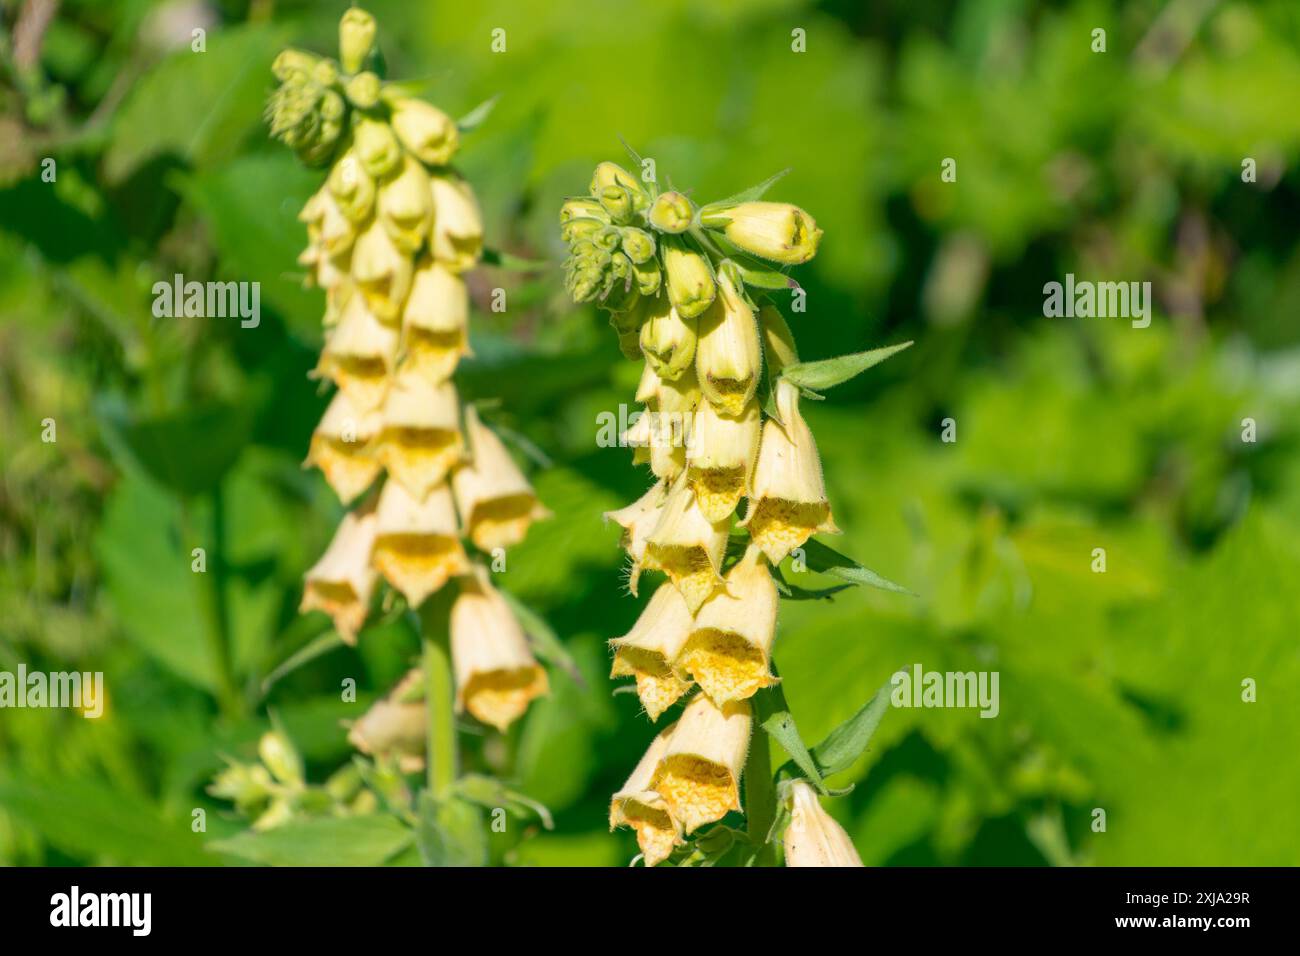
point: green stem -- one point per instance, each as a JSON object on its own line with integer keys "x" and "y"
{"x": 217, "y": 627}
{"x": 760, "y": 788}
{"x": 440, "y": 696}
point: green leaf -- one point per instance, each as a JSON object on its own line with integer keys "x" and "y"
{"x": 199, "y": 106}
{"x": 833, "y": 371}
{"x": 504, "y": 260}
{"x": 821, "y": 557}
{"x": 491, "y": 793}
{"x": 781, "y": 726}
{"x": 545, "y": 641}
{"x": 322, "y": 841}
{"x": 476, "y": 117}
{"x": 753, "y": 192}
{"x": 451, "y": 832}
{"x": 847, "y": 742}
{"x": 322, "y": 644}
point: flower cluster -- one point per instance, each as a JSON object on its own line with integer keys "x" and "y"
{"x": 391, "y": 232}
{"x": 675, "y": 278}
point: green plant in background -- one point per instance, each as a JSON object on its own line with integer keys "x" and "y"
{"x": 391, "y": 231}
{"x": 675, "y": 279}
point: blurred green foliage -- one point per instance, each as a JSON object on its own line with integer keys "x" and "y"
{"x": 1120, "y": 691}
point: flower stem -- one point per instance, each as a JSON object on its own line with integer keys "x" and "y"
{"x": 760, "y": 789}
{"x": 440, "y": 696}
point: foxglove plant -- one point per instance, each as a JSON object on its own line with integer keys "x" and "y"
{"x": 690, "y": 292}
{"x": 435, "y": 495}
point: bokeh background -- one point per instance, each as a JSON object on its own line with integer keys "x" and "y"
{"x": 1120, "y": 690}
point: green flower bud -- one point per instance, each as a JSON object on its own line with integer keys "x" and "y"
{"x": 609, "y": 239}
{"x": 344, "y": 784}
{"x": 581, "y": 228}
{"x": 377, "y": 148}
{"x": 617, "y": 201}
{"x": 425, "y": 130}
{"x": 248, "y": 787}
{"x": 293, "y": 64}
{"x": 405, "y": 206}
{"x": 691, "y": 287}
{"x": 649, "y": 277}
{"x": 772, "y": 230}
{"x": 671, "y": 213}
{"x": 638, "y": 244}
{"x": 612, "y": 174}
{"x": 280, "y": 758}
{"x": 668, "y": 340}
{"x": 356, "y": 38}
{"x": 352, "y": 188}
{"x": 332, "y": 107}
{"x": 279, "y": 813}
{"x": 363, "y": 90}
{"x": 582, "y": 209}
{"x": 325, "y": 72}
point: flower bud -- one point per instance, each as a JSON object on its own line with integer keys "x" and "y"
{"x": 363, "y": 90}
{"x": 581, "y": 208}
{"x": 376, "y": 147}
{"x": 778, "y": 341}
{"x": 617, "y": 202}
{"x": 341, "y": 582}
{"x": 729, "y": 649}
{"x": 327, "y": 223}
{"x": 638, "y": 244}
{"x": 699, "y": 773}
{"x": 668, "y": 339}
{"x": 496, "y": 674}
{"x": 671, "y": 213}
{"x": 458, "y": 226}
{"x": 356, "y": 38}
{"x": 773, "y": 230}
{"x": 728, "y": 360}
{"x": 395, "y": 727}
{"x": 674, "y": 404}
{"x": 691, "y": 287}
{"x": 813, "y": 837}
{"x": 417, "y": 543}
{"x": 381, "y": 271}
{"x": 638, "y": 436}
{"x": 788, "y": 502}
{"x": 435, "y": 322}
{"x": 249, "y": 786}
{"x": 425, "y": 131}
{"x": 292, "y": 64}
{"x": 359, "y": 354}
{"x": 687, "y": 547}
{"x": 352, "y": 188}
{"x": 647, "y": 652}
{"x": 720, "y": 457}
{"x": 280, "y": 757}
{"x": 637, "y": 521}
{"x": 495, "y": 500}
{"x": 649, "y": 277}
{"x": 420, "y": 441}
{"x": 585, "y": 227}
{"x": 612, "y": 174}
{"x": 637, "y": 806}
{"x": 340, "y": 447}
{"x": 406, "y": 207}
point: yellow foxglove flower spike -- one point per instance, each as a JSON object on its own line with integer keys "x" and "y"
{"x": 671, "y": 212}
{"x": 699, "y": 773}
{"x": 340, "y": 448}
{"x": 382, "y": 271}
{"x": 691, "y": 287}
{"x": 327, "y": 225}
{"x": 395, "y": 726}
{"x": 417, "y": 542}
{"x": 435, "y": 322}
{"x": 647, "y": 652}
{"x": 720, "y": 457}
{"x": 788, "y": 502}
{"x": 668, "y": 340}
{"x": 637, "y": 521}
{"x": 420, "y": 441}
{"x": 813, "y": 837}
{"x": 728, "y": 359}
{"x": 426, "y": 131}
{"x": 496, "y": 501}
{"x": 729, "y": 649}
{"x": 458, "y": 225}
{"x": 356, "y": 38}
{"x": 406, "y": 207}
{"x": 359, "y": 354}
{"x": 771, "y": 230}
{"x": 612, "y": 174}
{"x": 645, "y": 811}
{"x": 496, "y": 674}
{"x": 687, "y": 547}
{"x": 341, "y": 582}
